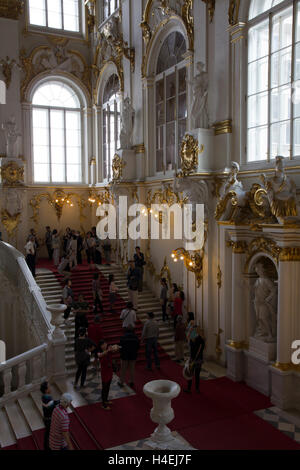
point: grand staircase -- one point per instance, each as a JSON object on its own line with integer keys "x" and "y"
{"x": 21, "y": 420}
{"x": 51, "y": 288}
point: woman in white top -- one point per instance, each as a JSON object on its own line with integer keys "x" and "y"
{"x": 30, "y": 254}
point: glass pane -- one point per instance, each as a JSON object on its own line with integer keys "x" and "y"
{"x": 111, "y": 89}
{"x": 37, "y": 12}
{"x": 159, "y": 160}
{"x": 171, "y": 52}
{"x": 160, "y": 116}
{"x": 171, "y": 109}
{"x": 257, "y": 7}
{"x": 280, "y": 104}
{"x": 74, "y": 173}
{"x": 258, "y": 76}
{"x": 182, "y": 80}
{"x": 296, "y": 98}
{"x": 182, "y": 111}
{"x": 297, "y": 61}
{"x": 40, "y": 118}
{"x": 296, "y": 149}
{"x": 58, "y": 173}
{"x": 171, "y": 86}
{"x": 258, "y": 110}
{"x": 298, "y": 23}
{"x": 282, "y": 31}
{"x": 160, "y": 137}
{"x": 181, "y": 130}
{"x": 170, "y": 143}
{"x": 280, "y": 139}
{"x": 41, "y": 154}
{"x": 41, "y": 173}
{"x": 40, "y": 136}
{"x": 58, "y": 155}
{"x": 257, "y": 144}
{"x": 159, "y": 91}
{"x": 258, "y": 40}
{"x": 281, "y": 67}
{"x": 73, "y": 156}
{"x": 71, "y": 15}
{"x": 55, "y": 94}
{"x": 54, "y": 14}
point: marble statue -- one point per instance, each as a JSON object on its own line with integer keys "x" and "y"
{"x": 200, "y": 94}
{"x": 281, "y": 194}
{"x": 196, "y": 192}
{"x": 232, "y": 197}
{"x": 265, "y": 299}
{"x": 127, "y": 121}
{"x": 11, "y": 136}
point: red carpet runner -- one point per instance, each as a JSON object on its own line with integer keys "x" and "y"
{"x": 220, "y": 417}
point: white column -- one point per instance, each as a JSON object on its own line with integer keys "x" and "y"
{"x": 149, "y": 107}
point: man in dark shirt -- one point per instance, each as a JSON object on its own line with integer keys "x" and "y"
{"x": 139, "y": 261}
{"x": 129, "y": 344}
{"x": 197, "y": 345}
{"x": 48, "y": 241}
{"x": 133, "y": 278}
{"x": 48, "y": 406}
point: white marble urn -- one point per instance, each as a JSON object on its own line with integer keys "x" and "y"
{"x": 162, "y": 393}
{"x": 57, "y": 311}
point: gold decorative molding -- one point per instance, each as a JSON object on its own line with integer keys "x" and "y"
{"x": 118, "y": 165}
{"x": 58, "y": 200}
{"x": 7, "y": 65}
{"x": 93, "y": 161}
{"x": 10, "y": 222}
{"x": 289, "y": 254}
{"x": 223, "y": 127}
{"x": 262, "y": 245}
{"x": 233, "y": 12}
{"x": 12, "y": 174}
{"x": 189, "y": 152}
{"x": 286, "y": 367}
{"x": 139, "y": 149}
{"x": 238, "y": 345}
{"x": 238, "y": 247}
{"x": 11, "y": 9}
{"x": 165, "y": 196}
{"x": 188, "y": 19}
{"x": 211, "y": 5}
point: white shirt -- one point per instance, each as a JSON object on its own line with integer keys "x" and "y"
{"x": 29, "y": 248}
{"x": 129, "y": 317}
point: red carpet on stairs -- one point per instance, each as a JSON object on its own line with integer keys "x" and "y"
{"x": 219, "y": 418}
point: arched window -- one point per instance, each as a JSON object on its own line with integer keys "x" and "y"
{"x": 111, "y": 109}
{"x": 273, "y": 72}
{"x": 170, "y": 100}
{"x": 57, "y": 139}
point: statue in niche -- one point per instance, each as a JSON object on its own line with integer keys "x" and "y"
{"x": 281, "y": 194}
{"x": 265, "y": 303}
{"x": 11, "y": 136}
{"x": 200, "y": 94}
{"x": 232, "y": 196}
{"x": 127, "y": 122}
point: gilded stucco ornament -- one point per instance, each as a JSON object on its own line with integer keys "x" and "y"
{"x": 10, "y": 222}
{"x": 193, "y": 262}
{"x": 118, "y": 165}
{"x": 11, "y": 9}
{"x": 58, "y": 200}
{"x": 12, "y": 174}
{"x": 211, "y": 5}
{"x": 233, "y": 12}
{"x": 280, "y": 191}
{"x": 7, "y": 65}
{"x": 189, "y": 152}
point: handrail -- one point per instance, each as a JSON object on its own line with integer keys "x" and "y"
{"x": 14, "y": 267}
{"x": 23, "y": 357}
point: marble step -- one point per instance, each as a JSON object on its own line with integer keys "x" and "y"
{"x": 31, "y": 413}
{"x": 7, "y": 436}
{"x": 17, "y": 420}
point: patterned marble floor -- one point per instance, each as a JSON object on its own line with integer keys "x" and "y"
{"x": 92, "y": 390}
{"x": 274, "y": 417}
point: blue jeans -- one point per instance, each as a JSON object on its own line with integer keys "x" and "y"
{"x": 151, "y": 344}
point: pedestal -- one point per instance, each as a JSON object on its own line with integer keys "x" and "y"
{"x": 129, "y": 172}
{"x": 263, "y": 350}
{"x": 235, "y": 364}
{"x": 205, "y": 137}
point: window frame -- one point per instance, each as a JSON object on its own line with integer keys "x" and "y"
{"x": 58, "y": 31}
{"x": 105, "y": 107}
{"x": 82, "y": 138}
{"x": 163, "y": 76}
{"x": 104, "y": 19}
{"x": 268, "y": 16}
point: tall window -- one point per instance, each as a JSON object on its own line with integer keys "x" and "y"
{"x": 56, "y": 14}
{"x": 109, "y": 6}
{"x": 170, "y": 99}
{"x": 111, "y": 112}
{"x": 56, "y": 120}
{"x": 273, "y": 79}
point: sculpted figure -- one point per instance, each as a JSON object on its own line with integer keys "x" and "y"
{"x": 232, "y": 195}
{"x": 11, "y": 135}
{"x": 281, "y": 193}
{"x": 265, "y": 297}
{"x": 127, "y": 121}
{"x": 200, "y": 94}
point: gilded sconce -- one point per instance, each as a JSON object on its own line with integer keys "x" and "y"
{"x": 192, "y": 262}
